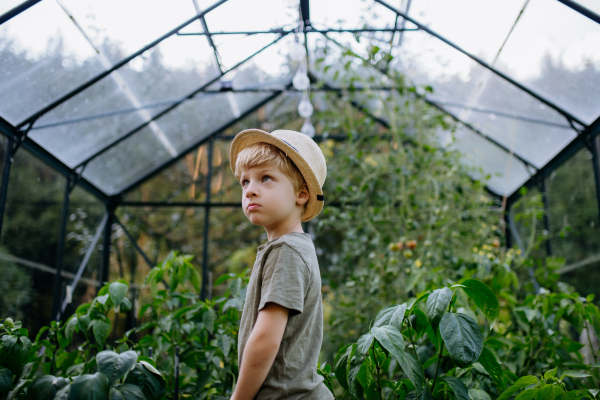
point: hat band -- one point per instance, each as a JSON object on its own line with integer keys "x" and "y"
{"x": 320, "y": 197}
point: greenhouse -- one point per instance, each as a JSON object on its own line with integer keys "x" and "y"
{"x": 462, "y": 141}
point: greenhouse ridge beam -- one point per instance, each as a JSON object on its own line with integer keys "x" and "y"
{"x": 539, "y": 97}
{"x": 283, "y": 31}
{"x": 173, "y": 106}
{"x": 200, "y": 142}
{"x": 17, "y": 10}
{"x": 118, "y": 65}
{"x": 581, "y": 10}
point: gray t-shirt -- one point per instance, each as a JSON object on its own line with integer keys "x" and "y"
{"x": 286, "y": 272}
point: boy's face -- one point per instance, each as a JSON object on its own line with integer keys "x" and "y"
{"x": 268, "y": 197}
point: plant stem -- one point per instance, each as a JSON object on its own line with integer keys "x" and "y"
{"x": 53, "y": 357}
{"x": 378, "y": 373}
{"x": 437, "y": 369}
{"x": 411, "y": 340}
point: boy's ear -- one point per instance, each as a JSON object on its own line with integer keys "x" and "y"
{"x": 303, "y": 195}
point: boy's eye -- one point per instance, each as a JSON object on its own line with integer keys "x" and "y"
{"x": 267, "y": 177}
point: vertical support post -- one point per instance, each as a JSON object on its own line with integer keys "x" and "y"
{"x": 104, "y": 272}
{"x": 507, "y": 232}
{"x": 596, "y": 166}
{"x": 57, "y": 292}
{"x": 545, "y": 200}
{"x": 204, "y": 291}
{"x": 6, "y": 164}
{"x": 176, "y": 373}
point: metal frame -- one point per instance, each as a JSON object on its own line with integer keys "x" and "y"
{"x": 17, "y": 10}
{"x": 581, "y": 10}
{"x": 208, "y": 190}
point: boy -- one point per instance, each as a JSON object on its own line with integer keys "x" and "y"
{"x": 281, "y": 331}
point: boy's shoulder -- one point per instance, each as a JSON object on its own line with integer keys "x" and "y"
{"x": 295, "y": 243}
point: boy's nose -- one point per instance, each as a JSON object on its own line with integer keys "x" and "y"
{"x": 250, "y": 190}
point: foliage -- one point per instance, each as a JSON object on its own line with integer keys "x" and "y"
{"x": 75, "y": 360}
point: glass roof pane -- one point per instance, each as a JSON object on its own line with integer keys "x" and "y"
{"x": 507, "y": 173}
{"x": 124, "y": 163}
{"x": 121, "y": 28}
{"x": 236, "y": 48}
{"x": 554, "y": 50}
{"x": 8, "y": 5}
{"x": 41, "y": 64}
{"x": 479, "y": 27}
{"x": 350, "y": 14}
{"x": 246, "y": 16}
{"x": 205, "y": 114}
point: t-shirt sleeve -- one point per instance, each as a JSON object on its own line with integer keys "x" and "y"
{"x": 285, "y": 280}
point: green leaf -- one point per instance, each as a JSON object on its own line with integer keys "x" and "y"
{"x": 117, "y": 292}
{"x": 354, "y": 366}
{"x": 426, "y": 395}
{"x": 592, "y": 314}
{"x": 362, "y": 346}
{"x": 126, "y": 391}
{"x": 457, "y": 386}
{"x": 340, "y": 365}
{"x": 478, "y": 394}
{"x": 551, "y": 373}
{"x": 114, "y": 365}
{"x": 101, "y": 330}
{"x": 208, "y": 318}
{"x": 391, "y": 316}
{"x": 488, "y": 360}
{"x": 484, "y": 298}
{"x": 152, "y": 385}
{"x": 391, "y": 339}
{"x": 125, "y": 305}
{"x": 6, "y": 378}
{"x": 63, "y": 394}
{"x": 437, "y": 305}
{"x": 521, "y": 383}
{"x": 224, "y": 278}
{"x": 45, "y": 387}
{"x": 90, "y": 387}
{"x": 574, "y": 374}
{"x": 419, "y": 322}
{"x": 195, "y": 279}
{"x": 70, "y": 328}
{"x": 463, "y": 338}
{"x": 83, "y": 322}
{"x": 528, "y": 394}
{"x": 224, "y": 342}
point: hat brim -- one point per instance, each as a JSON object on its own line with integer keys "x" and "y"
{"x": 249, "y": 137}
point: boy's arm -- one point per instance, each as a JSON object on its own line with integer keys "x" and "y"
{"x": 260, "y": 351}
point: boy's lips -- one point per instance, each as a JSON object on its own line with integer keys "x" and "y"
{"x": 252, "y": 206}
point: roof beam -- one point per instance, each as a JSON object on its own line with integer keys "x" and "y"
{"x": 581, "y": 10}
{"x": 10, "y": 131}
{"x": 305, "y": 13}
{"x": 282, "y": 31}
{"x": 118, "y": 65}
{"x": 539, "y": 97}
{"x": 200, "y": 142}
{"x": 17, "y": 10}
{"x": 171, "y": 107}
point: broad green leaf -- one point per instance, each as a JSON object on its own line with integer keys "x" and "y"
{"x": 528, "y": 394}
{"x": 426, "y": 395}
{"x": 45, "y": 387}
{"x": 11, "y": 353}
{"x": 463, "y": 338}
{"x": 488, "y": 360}
{"x": 592, "y": 314}
{"x": 551, "y": 373}
{"x": 391, "y": 316}
{"x": 152, "y": 385}
{"x": 596, "y": 365}
{"x": 13, "y": 395}
{"x": 478, "y": 394}
{"x": 419, "y": 322}
{"x": 223, "y": 278}
{"x": 126, "y": 391}
{"x": 125, "y": 305}
{"x": 114, "y": 365}
{"x": 70, "y": 328}
{"x": 83, "y": 322}
{"x": 437, "y": 305}
{"x": 101, "y": 330}
{"x": 484, "y": 298}
{"x": 195, "y": 279}
{"x": 224, "y": 342}
{"x": 574, "y": 374}
{"x": 391, "y": 339}
{"x": 90, "y": 387}
{"x": 340, "y": 365}
{"x": 362, "y": 346}
{"x": 594, "y": 392}
{"x": 150, "y": 367}
{"x": 354, "y": 366}
{"x": 6, "y": 378}
{"x": 63, "y": 394}
{"x": 521, "y": 383}
{"x": 457, "y": 386}
{"x": 208, "y": 318}
{"x": 117, "y": 292}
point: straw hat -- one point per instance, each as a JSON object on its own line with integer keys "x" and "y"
{"x": 301, "y": 149}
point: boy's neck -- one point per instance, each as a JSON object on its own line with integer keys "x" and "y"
{"x": 282, "y": 229}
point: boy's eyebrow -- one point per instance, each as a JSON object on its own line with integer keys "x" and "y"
{"x": 258, "y": 172}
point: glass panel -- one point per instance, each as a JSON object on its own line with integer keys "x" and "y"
{"x": 225, "y": 188}
{"x": 488, "y": 22}
{"x": 8, "y": 5}
{"x": 248, "y": 16}
{"x": 124, "y": 163}
{"x": 41, "y": 64}
{"x": 235, "y": 48}
{"x": 109, "y": 23}
{"x": 506, "y": 173}
{"x": 350, "y": 14}
{"x": 559, "y": 61}
{"x": 29, "y": 240}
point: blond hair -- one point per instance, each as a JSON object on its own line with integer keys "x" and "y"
{"x": 262, "y": 153}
